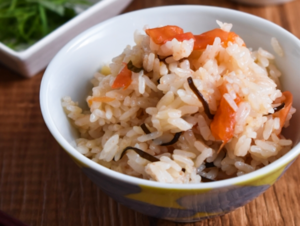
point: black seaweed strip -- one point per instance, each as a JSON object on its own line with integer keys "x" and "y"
{"x": 162, "y": 58}
{"x": 200, "y": 97}
{"x": 174, "y": 140}
{"x": 204, "y": 179}
{"x": 141, "y": 153}
{"x": 145, "y": 129}
{"x": 278, "y": 108}
{"x": 209, "y": 164}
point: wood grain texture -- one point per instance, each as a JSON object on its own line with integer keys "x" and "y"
{"x": 40, "y": 185}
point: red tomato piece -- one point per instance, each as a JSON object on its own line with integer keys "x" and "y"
{"x": 208, "y": 38}
{"x": 184, "y": 36}
{"x": 100, "y": 99}
{"x": 282, "y": 114}
{"x": 161, "y": 35}
{"x": 222, "y": 126}
{"x": 123, "y": 79}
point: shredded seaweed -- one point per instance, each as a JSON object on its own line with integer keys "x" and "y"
{"x": 141, "y": 153}
{"x": 200, "y": 97}
{"x": 133, "y": 68}
{"x": 174, "y": 140}
{"x": 209, "y": 164}
{"x": 145, "y": 129}
{"x": 204, "y": 179}
{"x": 276, "y": 109}
{"x": 162, "y": 58}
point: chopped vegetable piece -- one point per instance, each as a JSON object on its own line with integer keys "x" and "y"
{"x": 223, "y": 89}
{"x": 208, "y": 38}
{"x": 200, "y": 97}
{"x": 222, "y": 126}
{"x": 184, "y": 36}
{"x": 174, "y": 140}
{"x": 232, "y": 38}
{"x": 133, "y": 68}
{"x": 141, "y": 153}
{"x": 161, "y": 35}
{"x": 105, "y": 70}
{"x": 100, "y": 99}
{"x": 145, "y": 129}
{"x": 282, "y": 114}
{"x": 123, "y": 79}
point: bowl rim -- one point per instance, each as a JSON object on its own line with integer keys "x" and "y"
{"x": 279, "y": 163}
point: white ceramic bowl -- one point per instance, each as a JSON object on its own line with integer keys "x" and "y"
{"x": 35, "y": 58}
{"x": 72, "y": 68}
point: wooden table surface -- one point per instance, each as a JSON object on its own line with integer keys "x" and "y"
{"x": 40, "y": 185}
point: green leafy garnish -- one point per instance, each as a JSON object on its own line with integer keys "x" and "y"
{"x": 24, "y": 22}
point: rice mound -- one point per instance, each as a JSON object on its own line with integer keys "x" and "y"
{"x": 170, "y": 106}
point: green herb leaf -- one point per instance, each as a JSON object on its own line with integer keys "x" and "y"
{"x": 23, "y": 22}
{"x": 133, "y": 68}
{"x": 43, "y": 19}
{"x": 53, "y": 6}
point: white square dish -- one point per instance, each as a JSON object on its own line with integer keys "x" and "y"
{"x": 35, "y": 58}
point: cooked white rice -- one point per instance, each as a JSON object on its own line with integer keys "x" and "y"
{"x": 171, "y": 107}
